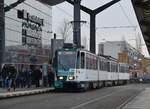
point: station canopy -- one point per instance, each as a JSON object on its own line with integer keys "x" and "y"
{"x": 142, "y": 10}
{"x": 51, "y": 2}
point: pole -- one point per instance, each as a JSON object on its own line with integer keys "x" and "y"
{"x": 77, "y": 26}
{"x": 2, "y": 32}
{"x": 92, "y": 33}
{"x": 92, "y": 14}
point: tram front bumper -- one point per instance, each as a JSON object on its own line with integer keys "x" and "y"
{"x": 69, "y": 85}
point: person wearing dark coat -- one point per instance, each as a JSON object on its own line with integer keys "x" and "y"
{"x": 28, "y": 78}
{"x": 12, "y": 72}
{"x": 37, "y": 76}
{"x": 51, "y": 77}
{"x": 4, "y": 74}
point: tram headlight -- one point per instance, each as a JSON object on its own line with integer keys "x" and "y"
{"x": 71, "y": 78}
{"x": 61, "y": 78}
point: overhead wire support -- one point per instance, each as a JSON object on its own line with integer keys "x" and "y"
{"x": 93, "y": 14}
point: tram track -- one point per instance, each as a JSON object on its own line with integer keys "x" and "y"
{"x": 105, "y": 98}
{"x": 84, "y": 105}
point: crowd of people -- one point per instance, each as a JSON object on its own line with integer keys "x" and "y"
{"x": 25, "y": 78}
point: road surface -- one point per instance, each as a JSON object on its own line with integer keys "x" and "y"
{"x": 104, "y": 98}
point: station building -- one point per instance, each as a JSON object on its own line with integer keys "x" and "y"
{"x": 28, "y": 29}
{"x": 125, "y": 53}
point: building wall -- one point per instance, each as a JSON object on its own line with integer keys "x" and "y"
{"x": 112, "y": 48}
{"x": 18, "y": 52}
{"x": 146, "y": 65}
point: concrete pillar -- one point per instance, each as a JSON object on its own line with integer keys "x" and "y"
{"x": 77, "y": 26}
{"x": 2, "y": 32}
{"x": 93, "y": 33}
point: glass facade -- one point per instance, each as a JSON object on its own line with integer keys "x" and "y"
{"x": 27, "y": 33}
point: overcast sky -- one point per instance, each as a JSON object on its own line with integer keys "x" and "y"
{"x": 120, "y": 14}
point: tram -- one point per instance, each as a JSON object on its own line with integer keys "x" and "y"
{"x": 79, "y": 69}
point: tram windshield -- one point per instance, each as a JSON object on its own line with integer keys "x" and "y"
{"x": 66, "y": 60}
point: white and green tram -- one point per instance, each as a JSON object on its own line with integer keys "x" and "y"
{"x": 79, "y": 69}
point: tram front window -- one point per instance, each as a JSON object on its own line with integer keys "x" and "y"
{"x": 66, "y": 60}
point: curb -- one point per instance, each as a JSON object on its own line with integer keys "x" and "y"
{"x": 24, "y": 93}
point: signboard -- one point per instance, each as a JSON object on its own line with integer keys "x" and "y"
{"x": 31, "y": 29}
{"x": 23, "y": 14}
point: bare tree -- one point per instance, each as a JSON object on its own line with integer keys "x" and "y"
{"x": 138, "y": 42}
{"x": 65, "y": 29}
{"x": 84, "y": 41}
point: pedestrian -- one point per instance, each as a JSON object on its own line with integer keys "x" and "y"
{"x": 4, "y": 74}
{"x": 21, "y": 78}
{"x": 37, "y": 76}
{"x": 51, "y": 77}
{"x": 28, "y": 78}
{"x": 11, "y": 78}
{"x": 18, "y": 80}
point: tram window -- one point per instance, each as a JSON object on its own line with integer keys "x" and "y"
{"x": 78, "y": 60}
{"x": 82, "y": 60}
{"x": 116, "y": 67}
{"x": 96, "y": 63}
{"x": 87, "y": 62}
{"x": 112, "y": 67}
{"x": 122, "y": 69}
{"x": 105, "y": 65}
{"x": 119, "y": 68}
{"x": 108, "y": 66}
{"x": 101, "y": 65}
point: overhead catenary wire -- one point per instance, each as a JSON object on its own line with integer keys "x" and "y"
{"x": 64, "y": 11}
{"x": 117, "y": 27}
{"x": 125, "y": 14}
{"x": 68, "y": 14}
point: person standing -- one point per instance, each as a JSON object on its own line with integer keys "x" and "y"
{"x": 12, "y": 77}
{"x": 37, "y": 76}
{"x": 51, "y": 77}
{"x": 4, "y": 74}
{"x": 28, "y": 78}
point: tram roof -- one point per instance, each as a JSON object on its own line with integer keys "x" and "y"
{"x": 142, "y": 10}
{"x": 51, "y": 2}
